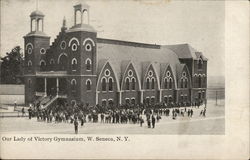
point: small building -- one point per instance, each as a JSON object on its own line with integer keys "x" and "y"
{"x": 80, "y": 67}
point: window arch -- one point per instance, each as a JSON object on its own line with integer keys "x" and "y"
{"x": 104, "y": 84}
{"x": 29, "y": 63}
{"x": 199, "y": 81}
{"x": 74, "y": 64}
{"x": 127, "y": 84}
{"x": 42, "y": 65}
{"x": 73, "y": 84}
{"x": 133, "y": 83}
{"x": 88, "y": 84}
{"x": 110, "y": 84}
{"x": 165, "y": 83}
{"x": 153, "y": 83}
{"x": 147, "y": 83}
{"x": 88, "y": 64}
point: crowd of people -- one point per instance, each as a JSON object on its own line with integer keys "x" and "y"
{"x": 80, "y": 113}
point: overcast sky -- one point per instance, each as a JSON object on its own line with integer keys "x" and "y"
{"x": 199, "y": 23}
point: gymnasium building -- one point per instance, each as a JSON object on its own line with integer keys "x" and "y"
{"x": 80, "y": 67}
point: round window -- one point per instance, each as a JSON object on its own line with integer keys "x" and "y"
{"x": 88, "y": 47}
{"x": 130, "y": 73}
{"x": 42, "y": 51}
{"x": 29, "y": 50}
{"x": 150, "y": 73}
{"x": 74, "y": 47}
{"x": 63, "y": 45}
{"x": 184, "y": 74}
{"x": 107, "y": 73}
{"x": 168, "y": 73}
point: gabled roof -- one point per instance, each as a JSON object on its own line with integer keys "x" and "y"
{"x": 185, "y": 51}
{"x": 141, "y": 57}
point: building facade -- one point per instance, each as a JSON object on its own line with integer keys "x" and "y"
{"x": 80, "y": 67}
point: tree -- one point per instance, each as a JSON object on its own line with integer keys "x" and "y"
{"x": 12, "y": 67}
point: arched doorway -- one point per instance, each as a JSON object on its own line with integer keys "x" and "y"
{"x": 63, "y": 62}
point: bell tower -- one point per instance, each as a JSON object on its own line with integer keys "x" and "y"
{"x": 36, "y": 43}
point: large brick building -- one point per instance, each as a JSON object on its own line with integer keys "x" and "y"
{"x": 80, "y": 67}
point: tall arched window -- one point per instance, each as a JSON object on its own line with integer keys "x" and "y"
{"x": 170, "y": 83}
{"x": 88, "y": 84}
{"x": 147, "y": 83}
{"x": 42, "y": 65}
{"x": 52, "y": 63}
{"x": 88, "y": 64}
{"x": 29, "y": 83}
{"x": 133, "y": 83}
{"x": 74, "y": 63}
{"x": 73, "y": 84}
{"x": 200, "y": 81}
{"x": 153, "y": 83}
{"x": 200, "y": 64}
{"x": 165, "y": 83}
{"x": 127, "y": 83}
{"x": 182, "y": 83}
{"x": 29, "y": 64}
{"x": 186, "y": 83}
{"x": 110, "y": 84}
{"x": 104, "y": 84}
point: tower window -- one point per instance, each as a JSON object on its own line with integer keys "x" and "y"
{"x": 88, "y": 64}
{"x": 74, "y": 64}
{"x": 29, "y": 50}
{"x": 165, "y": 83}
{"x": 104, "y": 84}
{"x": 88, "y": 84}
{"x": 110, "y": 84}
{"x": 29, "y": 63}
{"x": 29, "y": 83}
{"x": 200, "y": 64}
{"x": 73, "y": 84}
{"x": 130, "y": 73}
{"x": 170, "y": 83}
{"x": 107, "y": 72}
{"x": 88, "y": 47}
{"x": 74, "y": 47}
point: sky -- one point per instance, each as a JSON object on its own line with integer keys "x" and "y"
{"x": 164, "y": 22}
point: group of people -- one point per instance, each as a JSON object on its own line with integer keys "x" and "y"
{"x": 80, "y": 113}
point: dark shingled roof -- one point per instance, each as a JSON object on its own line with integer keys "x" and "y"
{"x": 118, "y": 55}
{"x": 185, "y": 51}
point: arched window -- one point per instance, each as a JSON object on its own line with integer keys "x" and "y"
{"x": 63, "y": 61}
{"x": 182, "y": 81}
{"x": 170, "y": 83}
{"x": 200, "y": 81}
{"x": 73, "y": 84}
{"x": 104, "y": 103}
{"x": 104, "y": 84}
{"x": 186, "y": 83}
{"x": 153, "y": 83}
{"x": 165, "y": 83}
{"x": 88, "y": 84}
{"x": 78, "y": 17}
{"x": 110, "y": 84}
{"x": 133, "y": 83}
{"x": 74, "y": 64}
{"x": 127, "y": 84}
{"x": 200, "y": 64}
{"x": 42, "y": 65}
{"x": 127, "y": 101}
{"x": 29, "y": 83}
{"x": 147, "y": 83}
{"x": 133, "y": 101}
{"x": 88, "y": 64}
{"x": 152, "y": 100}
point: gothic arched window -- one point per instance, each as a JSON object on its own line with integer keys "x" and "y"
{"x": 104, "y": 84}
{"x": 165, "y": 83}
{"x": 200, "y": 64}
{"x": 170, "y": 83}
{"x": 73, "y": 84}
{"x": 88, "y": 84}
{"x": 127, "y": 84}
{"x": 186, "y": 83}
{"x": 133, "y": 83}
{"x": 110, "y": 84}
{"x": 200, "y": 81}
{"x": 153, "y": 83}
{"x": 147, "y": 83}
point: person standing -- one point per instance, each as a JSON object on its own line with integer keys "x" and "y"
{"x": 76, "y": 125}
{"x": 29, "y": 110}
{"x": 23, "y": 112}
{"x": 153, "y": 121}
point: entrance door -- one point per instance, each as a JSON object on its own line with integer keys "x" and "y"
{"x": 51, "y": 86}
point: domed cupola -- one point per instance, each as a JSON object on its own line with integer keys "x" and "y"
{"x": 81, "y": 19}
{"x": 36, "y": 24}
